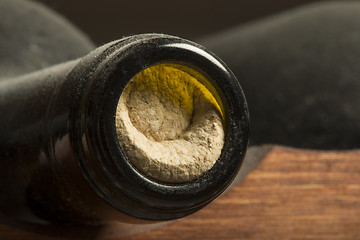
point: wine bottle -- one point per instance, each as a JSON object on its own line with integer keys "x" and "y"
{"x": 63, "y": 158}
{"x": 305, "y": 94}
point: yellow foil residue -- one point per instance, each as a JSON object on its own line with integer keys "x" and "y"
{"x": 178, "y": 86}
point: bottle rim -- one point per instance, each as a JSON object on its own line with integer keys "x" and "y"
{"x": 93, "y": 130}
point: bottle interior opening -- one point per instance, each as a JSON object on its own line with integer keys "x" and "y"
{"x": 170, "y": 123}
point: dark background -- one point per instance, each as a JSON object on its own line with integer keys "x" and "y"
{"x": 108, "y": 20}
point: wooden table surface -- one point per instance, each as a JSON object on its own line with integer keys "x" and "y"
{"x": 292, "y": 194}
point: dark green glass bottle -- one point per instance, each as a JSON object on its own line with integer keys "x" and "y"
{"x": 61, "y": 160}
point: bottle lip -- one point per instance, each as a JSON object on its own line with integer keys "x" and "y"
{"x": 93, "y": 130}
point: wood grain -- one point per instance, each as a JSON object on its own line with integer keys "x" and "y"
{"x": 292, "y": 194}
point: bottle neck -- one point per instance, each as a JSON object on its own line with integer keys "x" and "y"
{"x": 25, "y": 104}
{"x": 65, "y": 117}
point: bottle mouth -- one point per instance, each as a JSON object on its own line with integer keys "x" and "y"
{"x": 170, "y": 124}
{"x": 122, "y": 77}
